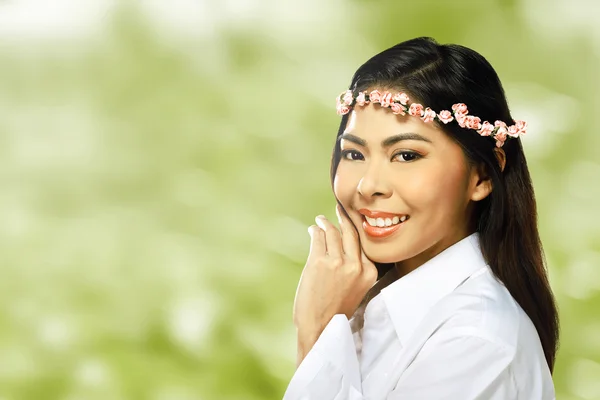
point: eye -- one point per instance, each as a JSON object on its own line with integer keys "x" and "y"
{"x": 407, "y": 156}
{"x": 354, "y": 155}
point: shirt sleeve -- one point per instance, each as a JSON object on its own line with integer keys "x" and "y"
{"x": 461, "y": 366}
{"x": 330, "y": 370}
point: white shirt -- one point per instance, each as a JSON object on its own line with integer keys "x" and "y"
{"x": 447, "y": 330}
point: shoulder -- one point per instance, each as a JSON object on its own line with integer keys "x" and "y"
{"x": 482, "y": 314}
{"x": 483, "y": 307}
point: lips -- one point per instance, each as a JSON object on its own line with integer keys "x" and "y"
{"x": 382, "y": 220}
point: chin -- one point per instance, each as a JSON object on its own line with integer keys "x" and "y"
{"x": 390, "y": 252}
{"x": 384, "y": 257}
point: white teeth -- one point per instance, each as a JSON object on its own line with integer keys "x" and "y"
{"x": 384, "y": 222}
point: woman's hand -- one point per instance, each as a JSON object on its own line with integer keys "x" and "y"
{"x": 336, "y": 277}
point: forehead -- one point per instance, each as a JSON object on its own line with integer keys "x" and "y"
{"x": 374, "y": 123}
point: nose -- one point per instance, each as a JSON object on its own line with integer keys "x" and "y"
{"x": 373, "y": 184}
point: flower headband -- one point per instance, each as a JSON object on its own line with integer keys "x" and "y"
{"x": 399, "y": 105}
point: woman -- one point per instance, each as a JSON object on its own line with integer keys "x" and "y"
{"x": 434, "y": 287}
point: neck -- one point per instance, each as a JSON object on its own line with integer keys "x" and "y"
{"x": 406, "y": 266}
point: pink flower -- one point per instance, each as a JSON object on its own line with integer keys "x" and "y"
{"x": 401, "y": 97}
{"x": 500, "y": 136}
{"x": 513, "y": 131}
{"x": 375, "y": 96}
{"x": 397, "y": 109}
{"x": 472, "y": 122}
{"x": 486, "y": 129}
{"x": 348, "y": 98}
{"x": 416, "y": 110}
{"x": 428, "y": 115}
{"x": 501, "y": 133}
{"x": 342, "y": 109}
{"x": 386, "y": 99}
{"x": 521, "y": 127}
{"x": 361, "y": 99}
{"x": 460, "y": 108}
{"x": 461, "y": 119}
{"x": 445, "y": 116}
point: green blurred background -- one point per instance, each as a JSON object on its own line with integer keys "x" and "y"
{"x": 161, "y": 161}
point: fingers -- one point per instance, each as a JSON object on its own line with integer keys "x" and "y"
{"x": 332, "y": 237}
{"x": 350, "y": 240}
{"x": 318, "y": 246}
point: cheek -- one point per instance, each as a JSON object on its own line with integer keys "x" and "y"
{"x": 344, "y": 185}
{"x": 435, "y": 187}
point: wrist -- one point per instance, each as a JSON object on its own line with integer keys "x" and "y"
{"x": 306, "y": 339}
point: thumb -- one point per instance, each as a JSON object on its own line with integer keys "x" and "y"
{"x": 369, "y": 269}
{"x": 365, "y": 260}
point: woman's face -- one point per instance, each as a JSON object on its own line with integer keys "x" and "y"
{"x": 400, "y": 168}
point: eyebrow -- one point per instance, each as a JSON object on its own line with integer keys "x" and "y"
{"x": 387, "y": 142}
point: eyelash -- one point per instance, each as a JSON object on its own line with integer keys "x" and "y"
{"x": 404, "y": 152}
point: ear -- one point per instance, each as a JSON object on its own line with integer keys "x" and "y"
{"x": 480, "y": 183}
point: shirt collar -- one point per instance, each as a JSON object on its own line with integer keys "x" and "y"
{"x": 409, "y": 298}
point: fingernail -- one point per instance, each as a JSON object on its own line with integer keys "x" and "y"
{"x": 319, "y": 220}
{"x": 338, "y": 212}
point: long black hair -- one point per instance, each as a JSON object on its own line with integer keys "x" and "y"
{"x": 439, "y": 76}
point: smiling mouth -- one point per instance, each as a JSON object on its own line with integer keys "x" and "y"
{"x": 383, "y": 227}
